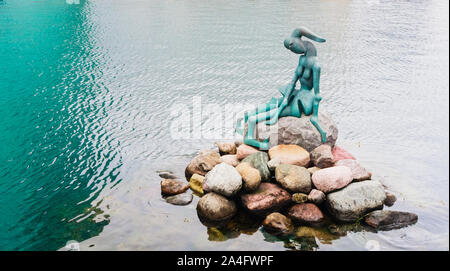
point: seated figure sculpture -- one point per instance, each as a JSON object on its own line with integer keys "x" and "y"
{"x": 294, "y": 101}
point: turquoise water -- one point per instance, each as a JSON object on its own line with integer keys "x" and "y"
{"x": 85, "y": 91}
{"x": 55, "y": 153}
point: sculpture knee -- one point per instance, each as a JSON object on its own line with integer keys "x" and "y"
{"x": 317, "y": 98}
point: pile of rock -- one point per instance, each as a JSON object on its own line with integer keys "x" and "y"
{"x": 299, "y": 181}
{"x": 287, "y": 185}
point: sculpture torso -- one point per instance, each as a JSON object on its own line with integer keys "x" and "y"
{"x": 304, "y": 71}
{"x": 302, "y": 99}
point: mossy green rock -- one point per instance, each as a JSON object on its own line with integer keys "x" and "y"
{"x": 259, "y": 161}
{"x": 299, "y": 198}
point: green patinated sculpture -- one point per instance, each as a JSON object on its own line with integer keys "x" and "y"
{"x": 294, "y": 101}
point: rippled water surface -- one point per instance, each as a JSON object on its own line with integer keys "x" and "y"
{"x": 86, "y": 91}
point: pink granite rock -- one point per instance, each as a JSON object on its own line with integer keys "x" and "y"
{"x": 332, "y": 178}
{"x": 267, "y": 198}
{"x": 340, "y": 154}
{"x": 359, "y": 173}
{"x": 244, "y": 151}
{"x": 322, "y": 156}
{"x": 306, "y": 213}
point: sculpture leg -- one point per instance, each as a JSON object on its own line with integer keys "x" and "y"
{"x": 262, "y": 108}
{"x": 252, "y": 121}
{"x": 273, "y": 103}
{"x": 315, "y": 119}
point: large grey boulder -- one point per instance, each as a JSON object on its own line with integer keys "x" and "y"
{"x": 355, "y": 200}
{"x": 223, "y": 179}
{"x": 298, "y": 131}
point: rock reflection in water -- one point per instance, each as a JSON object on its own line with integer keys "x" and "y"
{"x": 241, "y": 223}
{"x": 304, "y": 238}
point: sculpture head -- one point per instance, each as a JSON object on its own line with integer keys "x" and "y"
{"x": 299, "y": 46}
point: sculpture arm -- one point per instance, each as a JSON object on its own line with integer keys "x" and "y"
{"x": 291, "y": 87}
{"x": 286, "y": 96}
{"x": 316, "y": 82}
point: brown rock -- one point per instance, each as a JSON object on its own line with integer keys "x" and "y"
{"x": 244, "y": 150}
{"x": 250, "y": 176}
{"x": 215, "y": 207}
{"x": 293, "y": 178}
{"x": 278, "y": 224}
{"x": 226, "y": 147}
{"x": 202, "y": 163}
{"x": 307, "y": 213}
{"x": 290, "y": 154}
{"x": 322, "y": 156}
{"x": 230, "y": 159}
{"x": 267, "y": 198}
{"x": 390, "y": 199}
{"x": 173, "y": 187}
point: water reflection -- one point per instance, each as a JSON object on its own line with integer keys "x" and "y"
{"x": 303, "y": 238}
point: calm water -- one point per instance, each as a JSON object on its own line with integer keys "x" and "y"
{"x": 85, "y": 92}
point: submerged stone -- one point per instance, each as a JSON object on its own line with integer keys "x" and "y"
{"x": 173, "y": 186}
{"x": 278, "y": 224}
{"x": 180, "y": 199}
{"x": 167, "y": 175}
{"x": 389, "y": 220}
